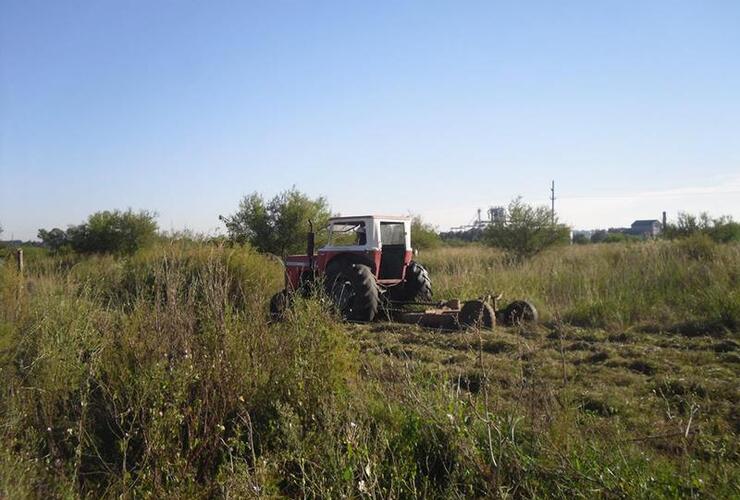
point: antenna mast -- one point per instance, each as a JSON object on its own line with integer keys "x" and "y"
{"x": 552, "y": 200}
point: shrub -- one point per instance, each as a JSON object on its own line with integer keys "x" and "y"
{"x": 697, "y": 246}
{"x": 119, "y": 232}
{"x": 154, "y": 375}
{"x": 278, "y": 226}
{"x": 581, "y": 239}
{"x": 722, "y": 229}
{"x": 527, "y": 230}
{"x": 614, "y": 237}
{"x": 423, "y": 235}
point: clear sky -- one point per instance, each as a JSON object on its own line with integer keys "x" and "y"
{"x": 435, "y": 108}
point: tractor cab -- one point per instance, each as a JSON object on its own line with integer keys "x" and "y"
{"x": 381, "y": 242}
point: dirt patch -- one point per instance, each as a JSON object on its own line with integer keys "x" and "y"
{"x": 598, "y": 357}
{"x": 621, "y": 338}
{"x": 725, "y": 346}
{"x": 642, "y": 366}
{"x": 597, "y": 406}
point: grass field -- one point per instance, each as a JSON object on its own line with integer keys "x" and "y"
{"x": 160, "y": 375}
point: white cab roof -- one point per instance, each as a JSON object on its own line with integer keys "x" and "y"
{"x": 401, "y": 218}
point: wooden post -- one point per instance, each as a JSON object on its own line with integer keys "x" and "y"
{"x": 19, "y": 259}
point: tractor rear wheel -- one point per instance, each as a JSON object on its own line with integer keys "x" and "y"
{"x": 353, "y": 290}
{"x": 417, "y": 287}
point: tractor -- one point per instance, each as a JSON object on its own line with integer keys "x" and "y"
{"x": 367, "y": 268}
{"x": 366, "y": 261}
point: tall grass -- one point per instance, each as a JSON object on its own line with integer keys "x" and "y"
{"x": 160, "y": 375}
{"x": 690, "y": 286}
{"x": 139, "y": 373}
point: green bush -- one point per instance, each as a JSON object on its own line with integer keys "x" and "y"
{"x": 277, "y": 226}
{"x": 722, "y": 229}
{"x": 423, "y": 235}
{"x": 118, "y": 232}
{"x": 527, "y": 230}
{"x": 581, "y": 239}
{"x": 150, "y": 375}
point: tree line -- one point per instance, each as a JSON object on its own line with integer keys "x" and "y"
{"x": 278, "y": 225}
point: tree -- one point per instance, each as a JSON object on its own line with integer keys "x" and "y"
{"x": 725, "y": 230}
{"x": 54, "y": 240}
{"x": 581, "y": 239}
{"x": 105, "y": 232}
{"x": 599, "y": 236}
{"x": 722, "y": 229}
{"x": 527, "y": 230}
{"x": 617, "y": 237}
{"x": 278, "y": 226}
{"x": 423, "y": 234}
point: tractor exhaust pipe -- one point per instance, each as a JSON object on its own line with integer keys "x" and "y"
{"x": 310, "y": 244}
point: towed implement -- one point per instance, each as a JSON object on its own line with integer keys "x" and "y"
{"x": 367, "y": 271}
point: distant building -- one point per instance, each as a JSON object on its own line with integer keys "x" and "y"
{"x": 646, "y": 228}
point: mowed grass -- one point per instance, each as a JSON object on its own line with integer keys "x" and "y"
{"x": 160, "y": 375}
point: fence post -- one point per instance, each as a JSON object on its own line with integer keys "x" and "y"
{"x": 19, "y": 259}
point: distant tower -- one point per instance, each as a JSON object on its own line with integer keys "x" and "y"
{"x": 479, "y": 220}
{"x": 552, "y": 200}
{"x": 497, "y": 215}
{"x": 665, "y": 220}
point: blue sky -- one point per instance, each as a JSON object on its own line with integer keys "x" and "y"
{"x": 435, "y": 108}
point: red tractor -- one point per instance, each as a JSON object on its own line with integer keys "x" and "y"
{"x": 367, "y": 265}
{"x": 367, "y": 261}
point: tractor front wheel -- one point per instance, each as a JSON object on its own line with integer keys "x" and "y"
{"x": 417, "y": 287}
{"x": 353, "y": 291}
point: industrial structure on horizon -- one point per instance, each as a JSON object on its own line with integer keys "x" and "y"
{"x": 642, "y": 228}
